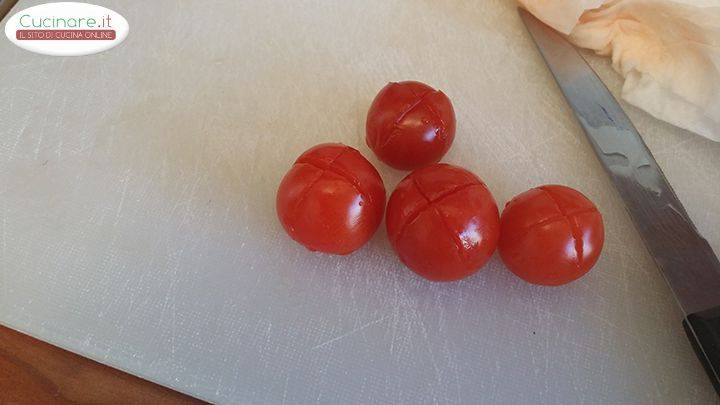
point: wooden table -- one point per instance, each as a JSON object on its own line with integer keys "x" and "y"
{"x": 32, "y": 371}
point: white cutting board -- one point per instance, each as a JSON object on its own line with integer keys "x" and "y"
{"x": 138, "y": 228}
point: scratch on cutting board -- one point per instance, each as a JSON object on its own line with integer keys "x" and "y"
{"x": 125, "y": 181}
{"x": 428, "y": 342}
{"x": 285, "y": 389}
{"x": 618, "y": 328}
{"x": 4, "y": 232}
{"x": 344, "y": 335}
{"x": 50, "y": 100}
{"x": 20, "y": 132}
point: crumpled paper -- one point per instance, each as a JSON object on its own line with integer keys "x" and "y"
{"x": 668, "y": 52}
{"x": 563, "y": 15}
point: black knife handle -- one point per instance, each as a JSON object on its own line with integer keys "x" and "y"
{"x": 706, "y": 341}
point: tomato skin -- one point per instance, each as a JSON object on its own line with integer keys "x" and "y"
{"x": 410, "y": 125}
{"x": 331, "y": 200}
{"x": 550, "y": 235}
{"x": 443, "y": 222}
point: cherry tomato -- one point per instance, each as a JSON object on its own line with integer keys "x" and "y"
{"x": 332, "y": 199}
{"x": 550, "y": 235}
{"x": 410, "y": 125}
{"x": 443, "y": 222}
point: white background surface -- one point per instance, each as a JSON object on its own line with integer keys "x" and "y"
{"x": 137, "y": 221}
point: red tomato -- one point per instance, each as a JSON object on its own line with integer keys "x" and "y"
{"x": 332, "y": 199}
{"x": 410, "y": 125}
{"x": 443, "y": 222}
{"x": 550, "y": 235}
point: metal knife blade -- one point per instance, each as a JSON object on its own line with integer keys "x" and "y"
{"x": 685, "y": 258}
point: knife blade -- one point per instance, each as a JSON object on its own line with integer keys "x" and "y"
{"x": 685, "y": 258}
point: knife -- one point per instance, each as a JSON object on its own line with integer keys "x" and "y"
{"x": 684, "y": 257}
